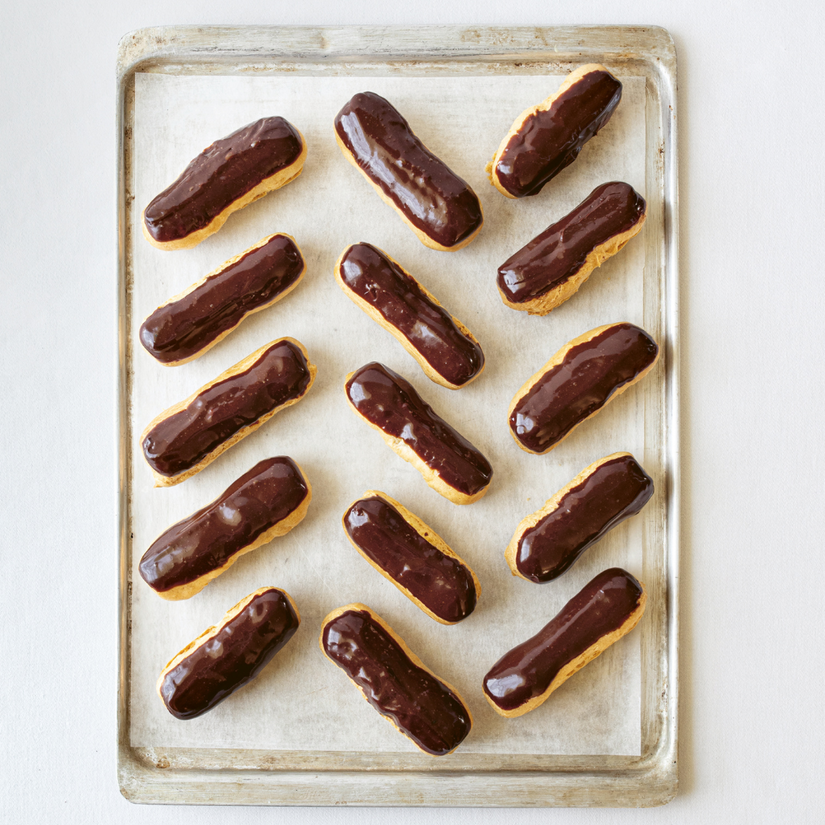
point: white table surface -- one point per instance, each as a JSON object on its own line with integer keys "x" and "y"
{"x": 752, "y": 110}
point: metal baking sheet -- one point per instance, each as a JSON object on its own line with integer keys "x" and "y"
{"x": 154, "y": 773}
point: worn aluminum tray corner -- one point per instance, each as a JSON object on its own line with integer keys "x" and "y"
{"x": 254, "y": 777}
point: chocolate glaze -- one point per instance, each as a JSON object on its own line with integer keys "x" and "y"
{"x": 388, "y": 401}
{"x": 180, "y": 441}
{"x": 440, "y": 582}
{"x": 613, "y": 492}
{"x": 601, "y": 607}
{"x": 398, "y": 297}
{"x": 233, "y": 657}
{"x": 580, "y": 385}
{"x": 429, "y": 194}
{"x": 550, "y": 140}
{"x": 421, "y": 705}
{"x": 218, "y": 176}
{"x": 558, "y": 253}
{"x": 181, "y": 329}
{"x": 271, "y": 491}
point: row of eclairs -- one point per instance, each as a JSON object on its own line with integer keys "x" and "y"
{"x": 272, "y": 498}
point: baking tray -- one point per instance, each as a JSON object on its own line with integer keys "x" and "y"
{"x": 244, "y": 776}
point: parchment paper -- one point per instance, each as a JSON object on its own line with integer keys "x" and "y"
{"x": 301, "y": 701}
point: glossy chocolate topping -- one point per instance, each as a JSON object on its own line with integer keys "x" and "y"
{"x": 601, "y": 607}
{"x": 181, "y": 329}
{"x": 421, "y": 705}
{"x": 391, "y": 403}
{"x": 271, "y": 491}
{"x": 430, "y": 195}
{"x": 180, "y": 441}
{"x": 550, "y": 140}
{"x": 234, "y": 656}
{"x": 440, "y": 582}
{"x": 370, "y": 275}
{"x": 218, "y": 176}
{"x": 558, "y": 253}
{"x": 615, "y": 491}
{"x": 580, "y": 385}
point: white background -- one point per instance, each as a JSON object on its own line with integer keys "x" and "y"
{"x": 752, "y": 112}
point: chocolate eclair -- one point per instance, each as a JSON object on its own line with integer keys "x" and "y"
{"x": 266, "y": 502}
{"x": 412, "y": 556}
{"x": 577, "y": 382}
{"x": 605, "y": 609}
{"x": 228, "y": 175}
{"x": 438, "y": 205}
{"x": 447, "y": 351}
{"x": 550, "y": 269}
{"x": 548, "y": 137}
{"x": 191, "y": 323}
{"x": 394, "y": 681}
{"x": 229, "y": 655}
{"x": 190, "y": 435}
{"x": 548, "y": 542}
{"x": 450, "y": 464}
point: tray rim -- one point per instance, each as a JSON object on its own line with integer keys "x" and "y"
{"x": 653, "y": 780}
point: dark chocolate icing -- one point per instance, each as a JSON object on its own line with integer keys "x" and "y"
{"x": 181, "y": 329}
{"x": 558, "y": 253}
{"x": 180, "y": 441}
{"x": 613, "y": 492}
{"x": 218, "y": 176}
{"x": 271, "y": 491}
{"x": 549, "y": 140}
{"x": 580, "y": 385}
{"x": 601, "y": 607}
{"x": 374, "y": 278}
{"x": 390, "y": 402}
{"x": 421, "y": 705}
{"x": 429, "y": 194}
{"x": 442, "y": 583}
{"x": 232, "y": 658}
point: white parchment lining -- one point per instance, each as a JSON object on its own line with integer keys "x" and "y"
{"x": 301, "y": 701}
